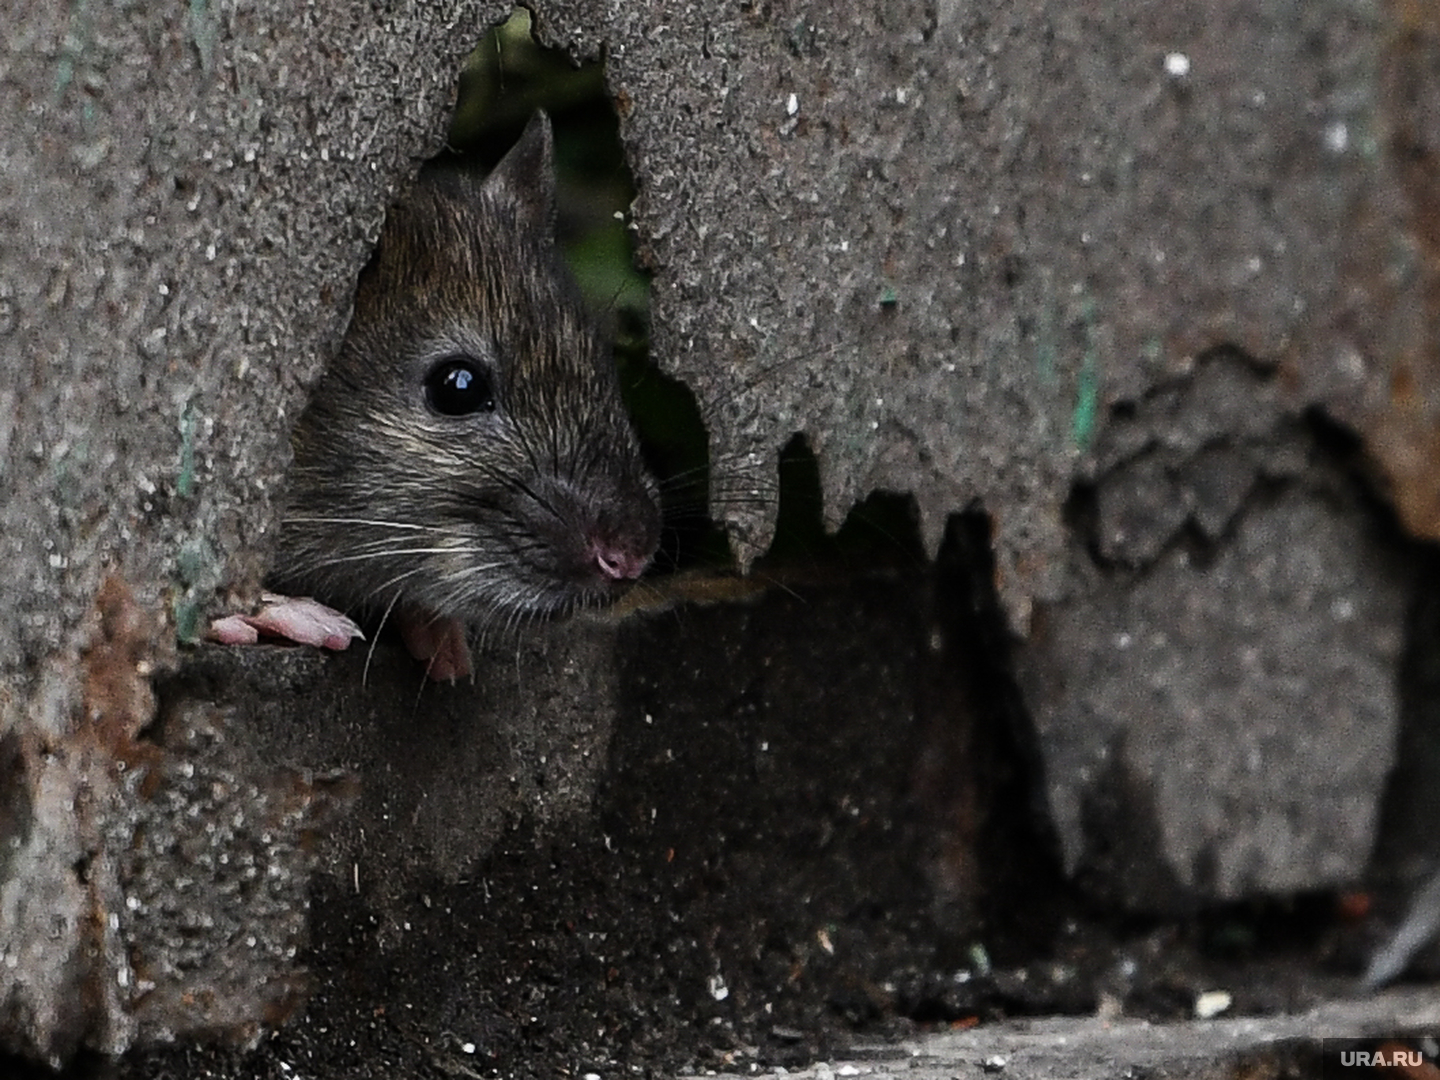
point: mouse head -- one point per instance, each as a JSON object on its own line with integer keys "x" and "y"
{"x": 468, "y": 451}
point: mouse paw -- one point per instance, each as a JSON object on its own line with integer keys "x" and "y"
{"x": 438, "y": 642}
{"x": 299, "y": 619}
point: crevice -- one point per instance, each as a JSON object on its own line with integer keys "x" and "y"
{"x": 1160, "y": 487}
{"x": 996, "y": 861}
{"x": 880, "y": 532}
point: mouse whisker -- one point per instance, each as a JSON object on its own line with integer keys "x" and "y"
{"x": 377, "y": 523}
{"x": 340, "y": 560}
{"x": 396, "y": 580}
{"x": 384, "y": 618}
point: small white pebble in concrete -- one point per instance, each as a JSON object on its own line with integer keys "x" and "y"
{"x": 994, "y": 1063}
{"x": 1177, "y": 65}
{"x": 1212, "y": 1003}
{"x": 980, "y": 958}
{"x": 792, "y": 105}
{"x": 716, "y": 985}
{"x": 1337, "y": 137}
{"x": 467, "y": 1048}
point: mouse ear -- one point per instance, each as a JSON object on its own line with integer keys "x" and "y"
{"x": 527, "y": 174}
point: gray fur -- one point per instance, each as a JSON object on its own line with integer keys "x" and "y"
{"x": 477, "y": 516}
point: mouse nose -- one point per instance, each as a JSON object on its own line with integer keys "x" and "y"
{"x": 615, "y": 562}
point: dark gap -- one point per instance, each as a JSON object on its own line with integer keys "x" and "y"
{"x": 86, "y": 1065}
{"x": 1266, "y": 926}
{"x": 882, "y": 531}
{"x": 676, "y": 448}
{"x": 17, "y": 811}
{"x": 1407, "y": 844}
{"x": 799, "y": 522}
{"x": 981, "y": 780}
{"x": 1342, "y": 449}
{"x": 1081, "y": 514}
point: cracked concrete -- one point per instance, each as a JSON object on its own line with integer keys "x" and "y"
{"x": 940, "y": 241}
{"x": 1218, "y": 704}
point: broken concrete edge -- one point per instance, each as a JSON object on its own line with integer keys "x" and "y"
{"x": 67, "y": 746}
{"x": 1098, "y": 1048}
{"x": 124, "y": 848}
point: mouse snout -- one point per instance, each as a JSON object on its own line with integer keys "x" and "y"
{"x": 621, "y": 539}
{"x": 602, "y": 535}
{"x": 617, "y": 560}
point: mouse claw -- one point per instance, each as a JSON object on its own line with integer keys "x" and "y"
{"x": 299, "y": 619}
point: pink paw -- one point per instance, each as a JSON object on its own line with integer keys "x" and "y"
{"x": 298, "y": 619}
{"x": 437, "y": 642}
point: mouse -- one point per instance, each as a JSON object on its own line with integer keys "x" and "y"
{"x": 466, "y": 460}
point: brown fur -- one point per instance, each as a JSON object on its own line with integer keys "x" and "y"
{"x": 486, "y": 515}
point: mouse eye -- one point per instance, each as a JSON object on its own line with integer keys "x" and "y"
{"x": 458, "y": 386}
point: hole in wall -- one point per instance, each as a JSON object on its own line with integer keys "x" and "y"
{"x": 996, "y": 856}
{"x": 508, "y": 77}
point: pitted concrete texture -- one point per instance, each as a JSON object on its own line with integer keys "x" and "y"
{"x": 1219, "y": 704}
{"x": 186, "y": 199}
{"x": 939, "y": 239}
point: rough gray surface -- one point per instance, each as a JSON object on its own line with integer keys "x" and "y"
{"x": 1102, "y": 1048}
{"x": 1218, "y": 708}
{"x": 446, "y": 770}
{"x": 939, "y": 239}
{"x": 185, "y": 200}
{"x": 154, "y": 887}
